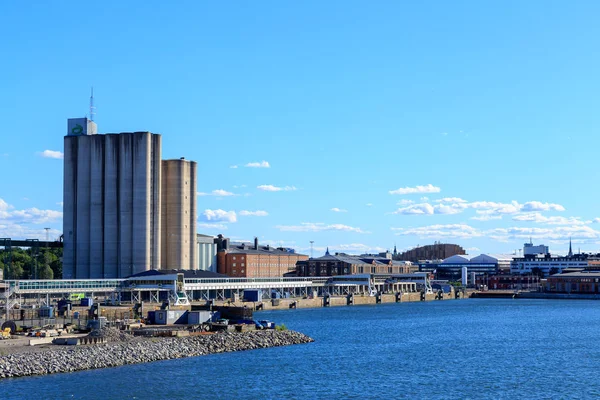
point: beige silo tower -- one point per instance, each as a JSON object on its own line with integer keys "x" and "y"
{"x": 178, "y": 214}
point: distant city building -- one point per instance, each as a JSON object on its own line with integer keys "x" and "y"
{"x": 530, "y": 250}
{"x": 207, "y": 252}
{"x": 344, "y": 264}
{"x": 547, "y": 265}
{"x": 544, "y": 264}
{"x": 436, "y": 251}
{"x": 112, "y": 205}
{"x": 251, "y": 260}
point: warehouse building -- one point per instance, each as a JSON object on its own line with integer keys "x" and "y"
{"x": 344, "y": 264}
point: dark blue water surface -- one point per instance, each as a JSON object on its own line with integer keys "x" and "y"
{"x": 465, "y": 349}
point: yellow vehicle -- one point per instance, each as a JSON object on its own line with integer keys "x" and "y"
{"x": 5, "y": 334}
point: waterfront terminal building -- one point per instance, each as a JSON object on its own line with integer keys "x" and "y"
{"x": 452, "y": 267}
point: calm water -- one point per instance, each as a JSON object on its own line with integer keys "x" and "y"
{"x": 445, "y": 350}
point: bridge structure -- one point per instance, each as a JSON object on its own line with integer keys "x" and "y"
{"x": 177, "y": 290}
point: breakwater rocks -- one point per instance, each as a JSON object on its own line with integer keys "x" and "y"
{"x": 140, "y": 350}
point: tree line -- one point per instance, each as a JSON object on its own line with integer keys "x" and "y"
{"x": 31, "y": 263}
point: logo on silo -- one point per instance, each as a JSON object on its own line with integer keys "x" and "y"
{"x": 77, "y": 126}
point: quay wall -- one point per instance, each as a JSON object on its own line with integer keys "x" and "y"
{"x": 338, "y": 301}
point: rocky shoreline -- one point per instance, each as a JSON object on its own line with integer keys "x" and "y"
{"x": 125, "y": 349}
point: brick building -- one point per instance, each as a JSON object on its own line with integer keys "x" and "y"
{"x": 247, "y": 260}
{"x": 437, "y": 251}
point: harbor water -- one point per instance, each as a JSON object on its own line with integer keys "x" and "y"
{"x": 463, "y": 349}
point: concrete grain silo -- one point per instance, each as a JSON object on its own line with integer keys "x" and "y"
{"x": 178, "y": 214}
{"x": 111, "y": 218}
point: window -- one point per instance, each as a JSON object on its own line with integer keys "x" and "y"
{"x": 242, "y": 264}
{"x": 234, "y": 257}
{"x": 234, "y": 264}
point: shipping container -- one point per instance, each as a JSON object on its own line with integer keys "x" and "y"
{"x": 46, "y": 312}
{"x": 170, "y": 317}
{"x": 87, "y": 302}
{"x": 253, "y": 295}
{"x": 199, "y": 317}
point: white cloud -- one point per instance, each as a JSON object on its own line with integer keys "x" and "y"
{"x": 212, "y": 226}
{"x": 416, "y": 209}
{"x": 539, "y": 206}
{"x": 555, "y": 233}
{"x": 262, "y": 164}
{"x": 554, "y": 220}
{"x": 486, "y": 210}
{"x": 257, "y": 213}
{"x": 271, "y": 188}
{"x": 473, "y": 249}
{"x": 233, "y": 166}
{"x": 428, "y": 209}
{"x": 451, "y": 200}
{"x": 4, "y": 206}
{"x": 221, "y": 192}
{"x": 404, "y": 202}
{"x": 51, "y": 154}
{"x": 335, "y": 209}
{"x": 217, "y": 193}
{"x": 18, "y": 231}
{"x": 371, "y": 205}
{"x": 596, "y": 220}
{"x": 417, "y": 189}
{"x": 486, "y": 217}
{"x": 461, "y": 231}
{"x": 425, "y": 198}
{"x": 220, "y": 215}
{"x": 318, "y": 227}
{"x": 17, "y": 223}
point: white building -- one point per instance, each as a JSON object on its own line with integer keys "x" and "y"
{"x": 547, "y": 265}
{"x": 530, "y": 250}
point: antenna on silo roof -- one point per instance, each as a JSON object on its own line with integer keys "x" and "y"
{"x": 92, "y": 108}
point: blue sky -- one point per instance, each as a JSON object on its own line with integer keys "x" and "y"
{"x": 357, "y": 125}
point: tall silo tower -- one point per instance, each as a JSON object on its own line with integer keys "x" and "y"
{"x": 179, "y": 214}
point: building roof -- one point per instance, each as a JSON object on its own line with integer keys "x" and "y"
{"x": 457, "y": 259}
{"x": 582, "y": 274}
{"x": 248, "y": 248}
{"x": 187, "y": 273}
{"x": 351, "y": 259}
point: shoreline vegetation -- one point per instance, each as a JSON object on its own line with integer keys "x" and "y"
{"x": 124, "y": 349}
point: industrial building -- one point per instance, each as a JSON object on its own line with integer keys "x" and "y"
{"x": 116, "y": 206}
{"x": 238, "y": 259}
{"x": 207, "y": 252}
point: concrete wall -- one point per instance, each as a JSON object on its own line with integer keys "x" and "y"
{"x": 69, "y": 205}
